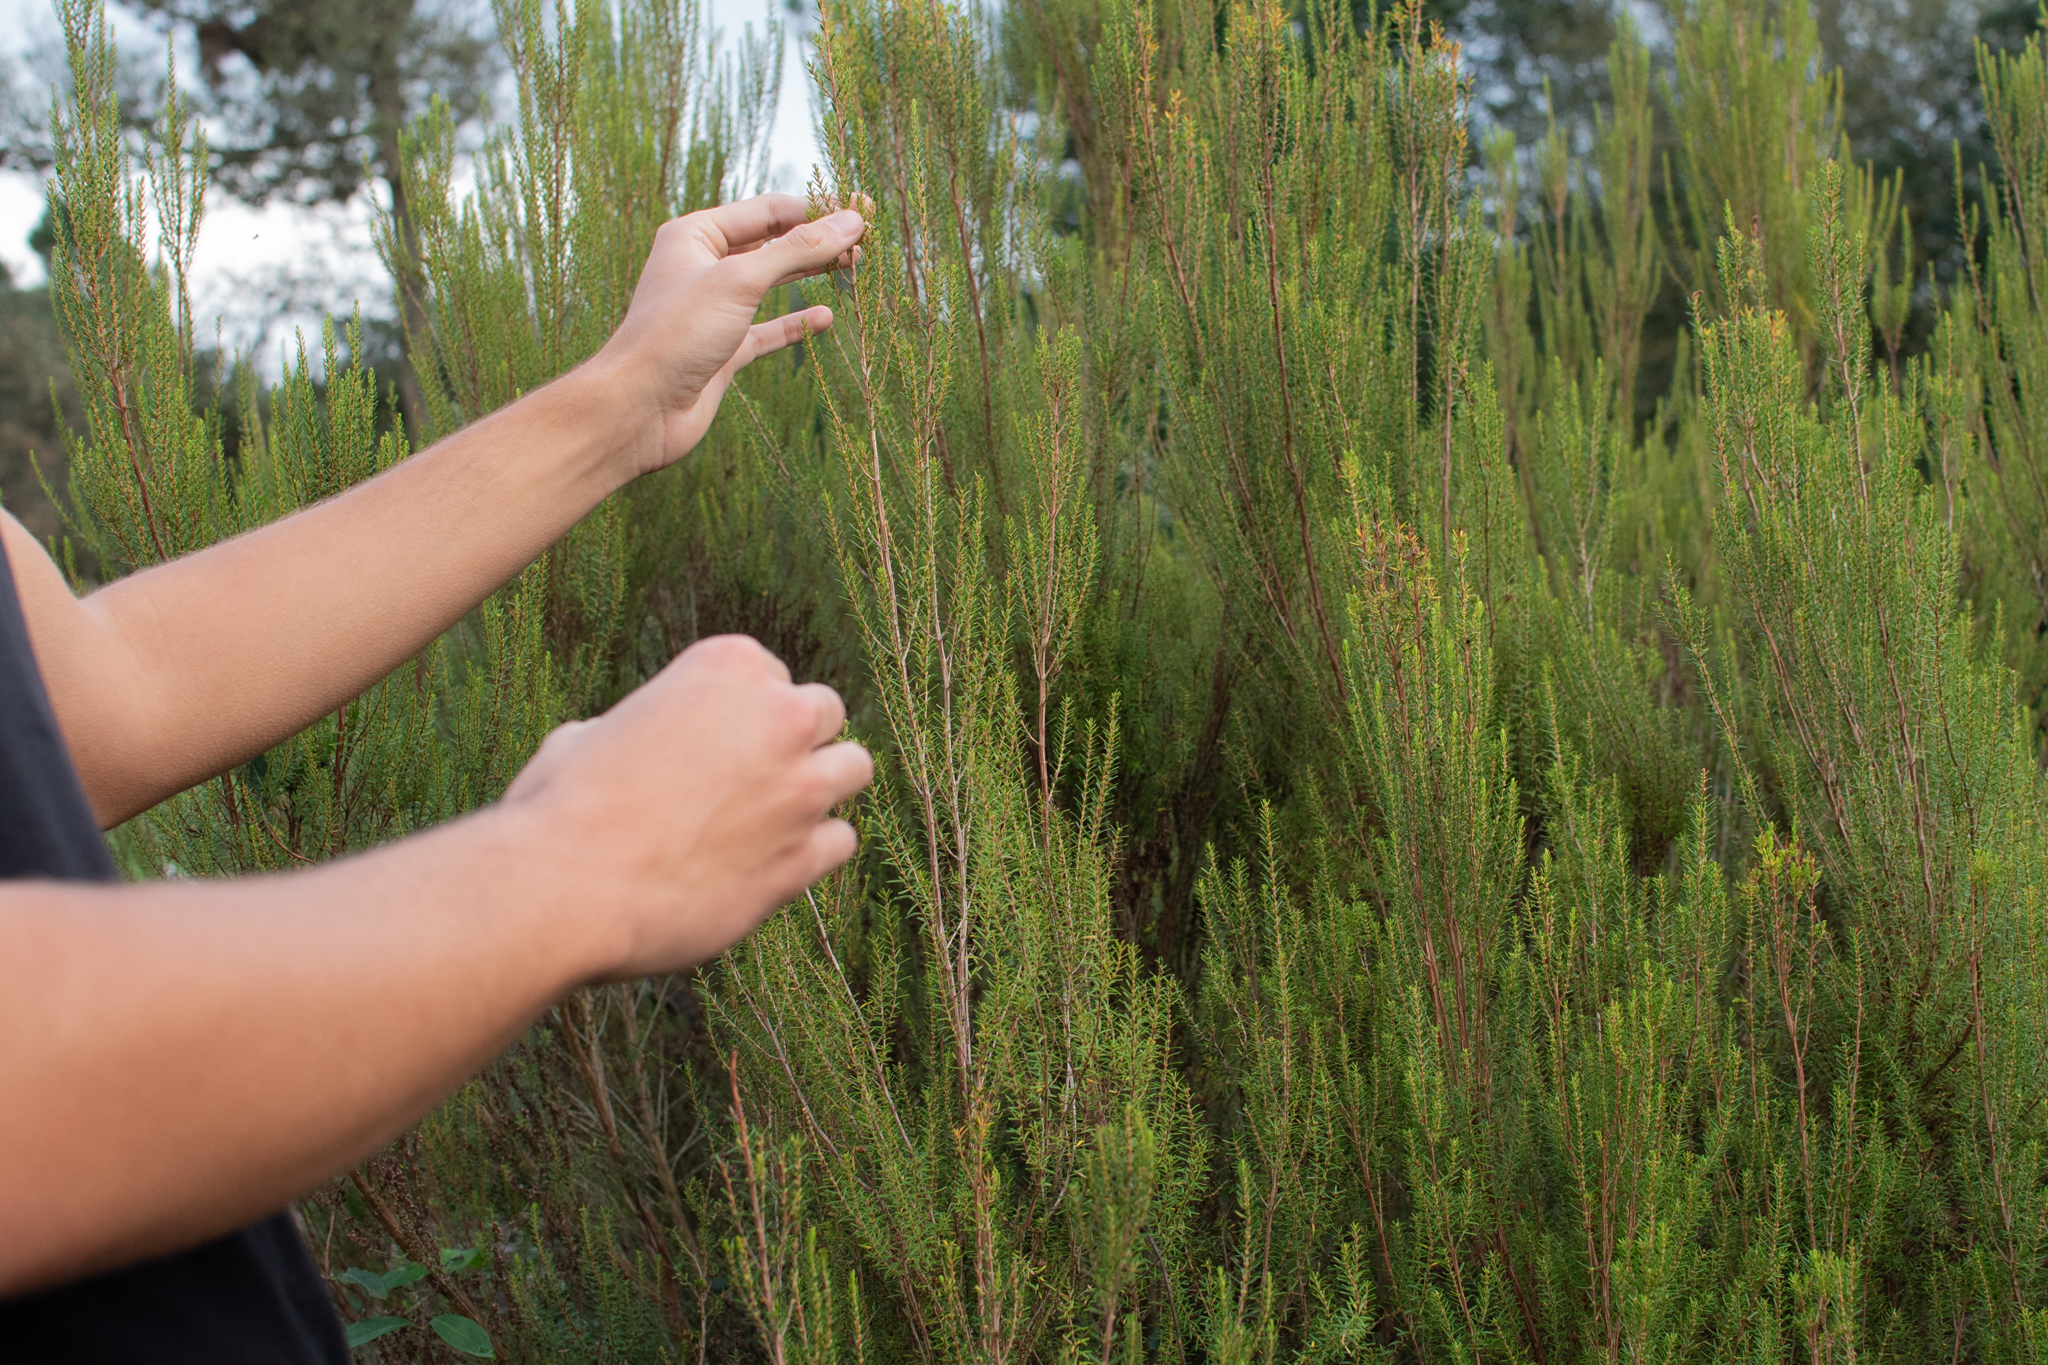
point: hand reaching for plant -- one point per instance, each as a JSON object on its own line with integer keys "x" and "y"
{"x": 691, "y": 328}
{"x": 276, "y": 1030}
{"x": 694, "y": 807}
{"x": 280, "y": 626}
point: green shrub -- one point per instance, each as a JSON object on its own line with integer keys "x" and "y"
{"x": 1393, "y": 840}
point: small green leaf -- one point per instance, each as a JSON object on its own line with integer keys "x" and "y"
{"x": 462, "y": 1258}
{"x": 369, "y": 1329}
{"x": 404, "y": 1275}
{"x": 464, "y": 1335}
{"x": 368, "y": 1280}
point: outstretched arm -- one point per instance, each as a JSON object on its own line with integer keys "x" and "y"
{"x": 182, "y": 1057}
{"x": 175, "y": 674}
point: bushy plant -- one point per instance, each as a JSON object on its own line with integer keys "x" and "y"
{"x": 1398, "y": 837}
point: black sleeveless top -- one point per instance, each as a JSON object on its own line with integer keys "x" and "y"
{"x": 252, "y": 1296}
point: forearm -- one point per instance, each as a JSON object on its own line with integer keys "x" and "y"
{"x": 176, "y": 674}
{"x": 184, "y": 1057}
{"x": 204, "y": 662}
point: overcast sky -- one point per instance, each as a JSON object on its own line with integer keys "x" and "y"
{"x": 264, "y": 273}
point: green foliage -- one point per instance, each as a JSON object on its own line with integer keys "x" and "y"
{"x": 1399, "y": 835}
{"x": 363, "y": 1331}
{"x": 1988, "y": 380}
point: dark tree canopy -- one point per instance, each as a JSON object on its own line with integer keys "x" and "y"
{"x": 1910, "y": 94}
{"x": 32, "y": 374}
{"x": 1910, "y": 97}
{"x": 307, "y": 93}
{"x": 1524, "y": 54}
{"x": 307, "y": 98}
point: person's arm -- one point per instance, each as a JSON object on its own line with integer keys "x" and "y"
{"x": 180, "y": 1058}
{"x": 177, "y": 673}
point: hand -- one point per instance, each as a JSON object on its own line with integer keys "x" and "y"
{"x": 696, "y": 806}
{"x": 691, "y": 328}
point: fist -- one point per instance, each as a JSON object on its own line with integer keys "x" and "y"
{"x": 690, "y": 811}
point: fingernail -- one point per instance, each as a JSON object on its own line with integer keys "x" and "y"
{"x": 846, "y": 222}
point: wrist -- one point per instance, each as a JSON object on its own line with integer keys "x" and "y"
{"x": 614, "y": 402}
{"x": 531, "y": 886}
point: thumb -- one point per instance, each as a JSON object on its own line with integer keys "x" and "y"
{"x": 806, "y": 250}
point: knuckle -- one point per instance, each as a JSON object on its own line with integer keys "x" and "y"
{"x": 812, "y": 789}
{"x": 562, "y": 736}
{"x": 791, "y": 711}
{"x": 827, "y": 709}
{"x": 840, "y": 772}
{"x": 726, "y": 652}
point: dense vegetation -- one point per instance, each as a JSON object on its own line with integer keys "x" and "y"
{"x": 1409, "y": 829}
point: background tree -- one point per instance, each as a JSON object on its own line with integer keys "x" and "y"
{"x": 31, "y": 362}
{"x": 26, "y": 82}
{"x": 303, "y": 100}
{"x": 1530, "y": 57}
{"x": 306, "y": 100}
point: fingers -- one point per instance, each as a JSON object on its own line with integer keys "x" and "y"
{"x": 805, "y": 718}
{"x": 825, "y": 777}
{"x": 766, "y": 338}
{"x": 832, "y": 843}
{"x": 830, "y": 712}
{"x": 846, "y": 260}
{"x": 733, "y": 228}
{"x": 844, "y": 770}
{"x": 804, "y": 250}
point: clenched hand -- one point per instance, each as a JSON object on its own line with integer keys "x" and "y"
{"x": 698, "y": 804}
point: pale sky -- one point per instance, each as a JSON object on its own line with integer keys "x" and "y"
{"x": 264, "y": 273}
